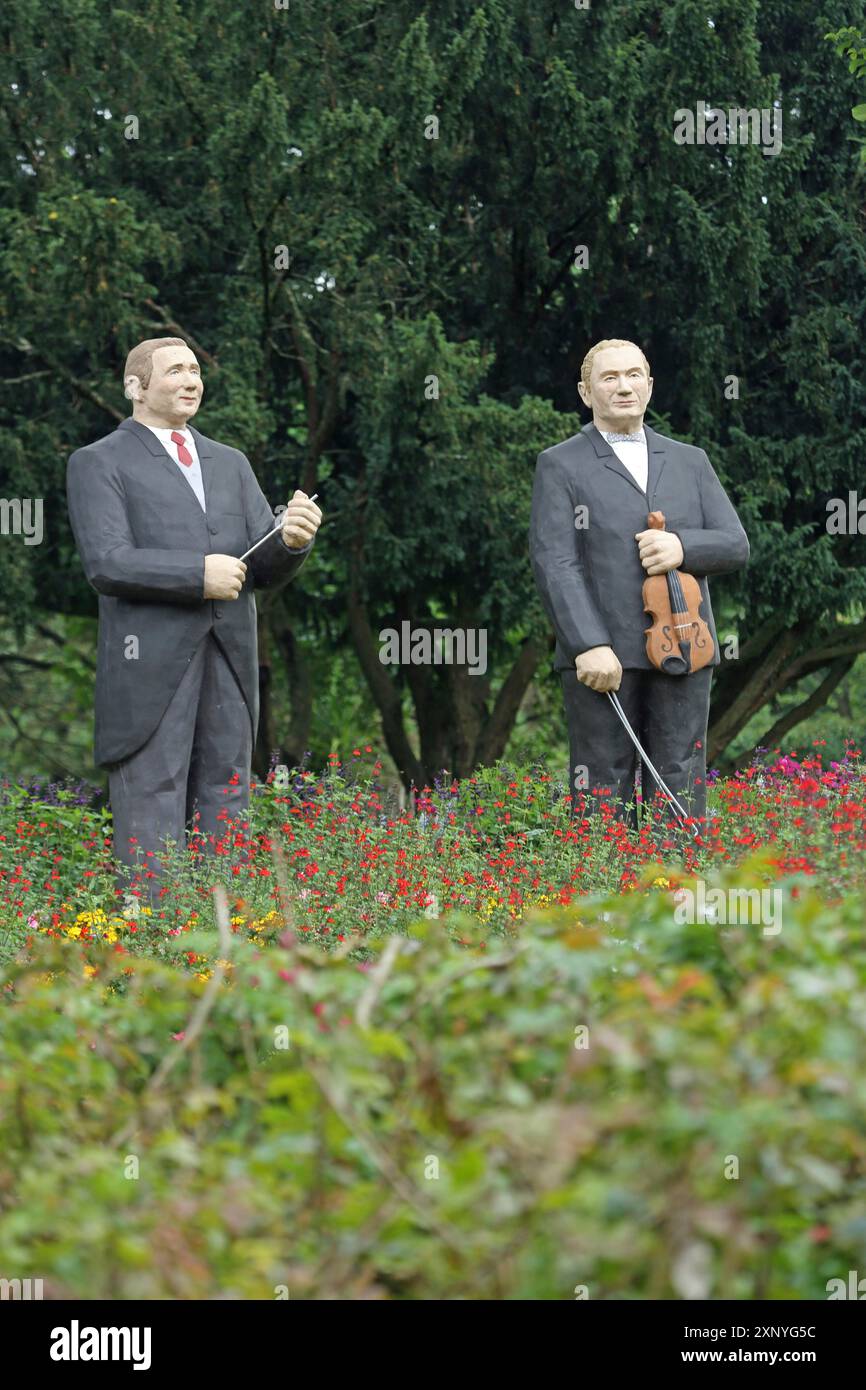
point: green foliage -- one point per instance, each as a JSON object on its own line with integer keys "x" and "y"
{"x": 454, "y": 256}
{"x": 852, "y": 44}
{"x": 437, "y": 1126}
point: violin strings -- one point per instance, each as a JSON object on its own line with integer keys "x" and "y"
{"x": 675, "y": 589}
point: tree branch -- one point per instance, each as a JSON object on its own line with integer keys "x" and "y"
{"x": 384, "y": 691}
{"x": 815, "y": 701}
{"x": 178, "y": 331}
{"x": 759, "y": 685}
{"x": 496, "y": 732}
{"x": 81, "y": 388}
{"x": 27, "y": 661}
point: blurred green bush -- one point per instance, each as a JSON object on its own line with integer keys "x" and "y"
{"x": 435, "y": 1123}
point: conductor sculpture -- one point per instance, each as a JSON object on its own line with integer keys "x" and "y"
{"x": 161, "y": 515}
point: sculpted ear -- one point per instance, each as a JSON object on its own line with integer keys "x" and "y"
{"x": 132, "y": 388}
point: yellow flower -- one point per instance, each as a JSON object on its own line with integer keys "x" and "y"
{"x": 74, "y": 932}
{"x": 52, "y": 216}
{"x": 203, "y": 975}
{"x": 661, "y": 883}
{"x": 89, "y": 972}
{"x": 91, "y": 918}
{"x": 109, "y": 930}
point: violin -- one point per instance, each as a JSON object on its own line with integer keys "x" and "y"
{"x": 678, "y": 642}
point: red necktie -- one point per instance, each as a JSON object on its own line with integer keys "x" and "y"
{"x": 183, "y": 452}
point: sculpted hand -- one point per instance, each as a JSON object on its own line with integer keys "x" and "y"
{"x": 223, "y": 576}
{"x": 301, "y": 520}
{"x": 660, "y": 551}
{"x": 598, "y": 668}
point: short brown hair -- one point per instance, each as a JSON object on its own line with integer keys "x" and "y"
{"x": 139, "y": 362}
{"x": 586, "y": 365}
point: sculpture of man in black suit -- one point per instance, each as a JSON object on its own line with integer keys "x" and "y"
{"x": 591, "y": 550}
{"x": 161, "y": 515}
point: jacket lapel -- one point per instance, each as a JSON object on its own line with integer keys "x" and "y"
{"x": 608, "y": 457}
{"x": 180, "y": 488}
{"x": 656, "y": 459}
{"x": 205, "y": 458}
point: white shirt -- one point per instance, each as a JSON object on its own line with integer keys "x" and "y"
{"x": 192, "y": 471}
{"x": 633, "y": 455}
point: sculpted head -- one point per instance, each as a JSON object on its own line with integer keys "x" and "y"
{"x": 615, "y": 383}
{"x": 162, "y": 378}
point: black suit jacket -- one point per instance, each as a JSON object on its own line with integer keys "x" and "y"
{"x": 143, "y": 537}
{"x": 590, "y": 578}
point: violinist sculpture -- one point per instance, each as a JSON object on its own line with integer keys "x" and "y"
{"x": 595, "y": 552}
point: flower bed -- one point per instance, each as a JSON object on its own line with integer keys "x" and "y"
{"x": 493, "y": 847}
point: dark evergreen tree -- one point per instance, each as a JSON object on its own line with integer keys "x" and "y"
{"x": 391, "y": 232}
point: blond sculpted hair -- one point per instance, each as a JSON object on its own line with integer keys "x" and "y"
{"x": 586, "y": 365}
{"x": 139, "y": 362}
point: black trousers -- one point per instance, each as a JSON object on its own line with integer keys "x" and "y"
{"x": 196, "y": 760}
{"x": 669, "y": 714}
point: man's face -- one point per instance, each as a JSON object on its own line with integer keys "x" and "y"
{"x": 619, "y": 389}
{"x": 175, "y": 389}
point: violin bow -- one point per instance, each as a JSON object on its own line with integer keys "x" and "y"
{"x": 682, "y": 814}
